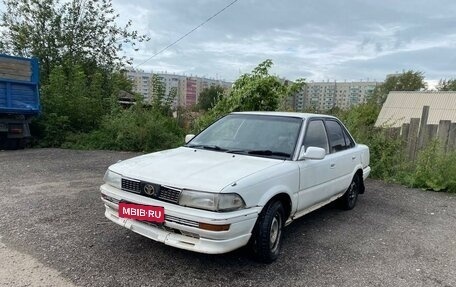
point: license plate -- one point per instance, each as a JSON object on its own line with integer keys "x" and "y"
{"x": 142, "y": 212}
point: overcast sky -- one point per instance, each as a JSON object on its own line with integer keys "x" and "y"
{"x": 316, "y": 40}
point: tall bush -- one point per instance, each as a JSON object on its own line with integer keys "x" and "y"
{"x": 434, "y": 169}
{"x": 386, "y": 153}
{"x": 135, "y": 129}
{"x": 74, "y": 102}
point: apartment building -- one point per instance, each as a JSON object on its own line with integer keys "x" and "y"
{"x": 188, "y": 88}
{"x": 142, "y": 82}
{"x": 326, "y": 95}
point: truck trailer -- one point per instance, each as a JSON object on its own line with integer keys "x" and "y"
{"x": 19, "y": 99}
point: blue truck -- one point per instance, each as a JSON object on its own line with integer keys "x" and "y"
{"x": 19, "y": 99}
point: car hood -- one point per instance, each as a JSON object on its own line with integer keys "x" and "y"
{"x": 192, "y": 168}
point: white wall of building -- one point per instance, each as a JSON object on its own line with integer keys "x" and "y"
{"x": 188, "y": 88}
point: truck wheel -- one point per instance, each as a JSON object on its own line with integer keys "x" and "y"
{"x": 267, "y": 234}
{"x": 11, "y": 144}
{"x": 348, "y": 200}
{"x": 2, "y": 141}
{"x": 14, "y": 144}
{"x": 21, "y": 143}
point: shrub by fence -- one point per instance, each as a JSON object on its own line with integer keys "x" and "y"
{"x": 417, "y": 134}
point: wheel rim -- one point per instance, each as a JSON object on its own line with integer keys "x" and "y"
{"x": 352, "y": 193}
{"x": 275, "y": 232}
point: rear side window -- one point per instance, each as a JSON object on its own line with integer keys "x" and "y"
{"x": 348, "y": 140}
{"x": 316, "y": 135}
{"x": 337, "y": 136}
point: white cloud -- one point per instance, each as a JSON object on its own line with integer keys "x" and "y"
{"x": 314, "y": 39}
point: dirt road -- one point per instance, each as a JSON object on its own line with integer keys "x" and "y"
{"x": 53, "y": 233}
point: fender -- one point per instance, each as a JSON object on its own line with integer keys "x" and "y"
{"x": 278, "y": 189}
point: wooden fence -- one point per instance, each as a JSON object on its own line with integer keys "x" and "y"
{"x": 418, "y": 133}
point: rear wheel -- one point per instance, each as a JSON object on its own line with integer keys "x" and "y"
{"x": 350, "y": 197}
{"x": 267, "y": 235}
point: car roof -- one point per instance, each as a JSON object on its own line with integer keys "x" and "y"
{"x": 284, "y": 114}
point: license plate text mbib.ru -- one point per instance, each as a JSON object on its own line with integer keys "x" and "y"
{"x": 142, "y": 212}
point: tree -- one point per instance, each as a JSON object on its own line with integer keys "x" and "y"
{"x": 209, "y": 97}
{"x": 447, "y": 85}
{"x": 162, "y": 102}
{"x": 406, "y": 81}
{"x": 259, "y": 91}
{"x": 255, "y": 91}
{"x": 79, "y": 46}
{"x": 82, "y": 31}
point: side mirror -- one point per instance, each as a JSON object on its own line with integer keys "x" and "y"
{"x": 189, "y": 137}
{"x": 312, "y": 153}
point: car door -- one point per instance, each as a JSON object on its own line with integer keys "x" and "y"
{"x": 314, "y": 174}
{"x": 341, "y": 157}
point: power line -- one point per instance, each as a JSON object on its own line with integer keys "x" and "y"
{"x": 188, "y": 33}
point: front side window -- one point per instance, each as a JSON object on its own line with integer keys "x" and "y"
{"x": 316, "y": 135}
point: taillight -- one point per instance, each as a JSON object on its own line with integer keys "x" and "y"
{"x": 15, "y": 129}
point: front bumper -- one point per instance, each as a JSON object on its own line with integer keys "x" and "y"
{"x": 179, "y": 229}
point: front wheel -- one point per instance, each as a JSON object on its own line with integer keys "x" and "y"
{"x": 267, "y": 235}
{"x": 348, "y": 200}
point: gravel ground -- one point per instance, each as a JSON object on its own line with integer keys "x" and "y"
{"x": 53, "y": 233}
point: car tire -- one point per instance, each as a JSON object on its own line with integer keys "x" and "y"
{"x": 350, "y": 197}
{"x": 266, "y": 239}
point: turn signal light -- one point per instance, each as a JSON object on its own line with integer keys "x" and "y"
{"x": 214, "y": 227}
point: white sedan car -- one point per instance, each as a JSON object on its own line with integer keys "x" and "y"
{"x": 238, "y": 182}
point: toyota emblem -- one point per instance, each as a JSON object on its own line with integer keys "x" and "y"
{"x": 149, "y": 189}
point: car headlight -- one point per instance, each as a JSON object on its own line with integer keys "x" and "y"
{"x": 211, "y": 201}
{"x": 113, "y": 179}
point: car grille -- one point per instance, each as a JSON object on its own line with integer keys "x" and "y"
{"x": 131, "y": 185}
{"x": 168, "y": 194}
{"x": 164, "y": 193}
{"x": 181, "y": 221}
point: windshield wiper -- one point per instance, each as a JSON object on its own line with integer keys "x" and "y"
{"x": 209, "y": 147}
{"x": 240, "y": 151}
{"x": 266, "y": 152}
{"x": 269, "y": 152}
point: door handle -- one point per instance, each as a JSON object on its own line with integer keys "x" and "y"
{"x": 333, "y": 165}
{"x": 354, "y": 157}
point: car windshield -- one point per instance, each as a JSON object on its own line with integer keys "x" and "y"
{"x": 256, "y": 135}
